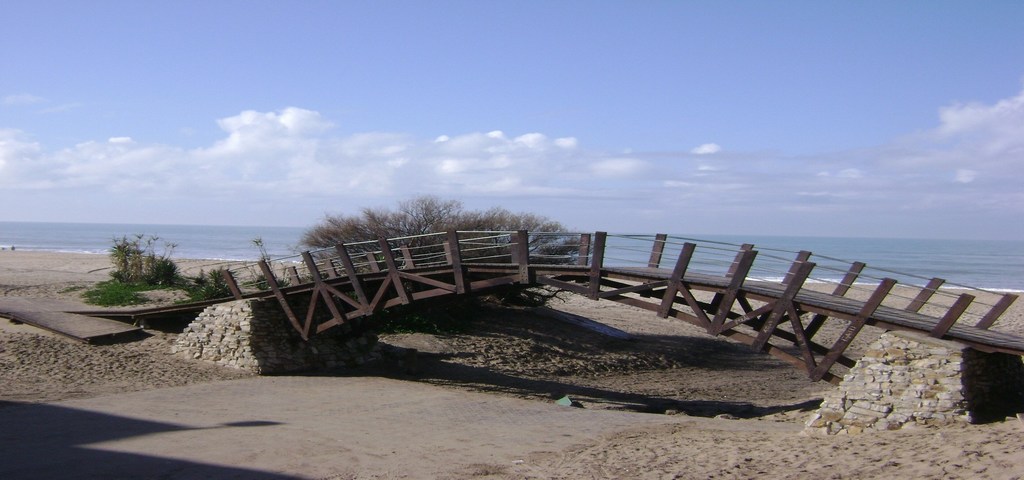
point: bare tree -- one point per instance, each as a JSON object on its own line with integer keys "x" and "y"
{"x": 417, "y": 216}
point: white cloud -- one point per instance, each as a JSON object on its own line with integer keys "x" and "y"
{"x": 294, "y": 155}
{"x": 850, "y": 173}
{"x": 964, "y": 175}
{"x": 62, "y": 107}
{"x": 617, "y": 167}
{"x": 566, "y": 143}
{"x": 21, "y": 99}
{"x": 706, "y": 149}
{"x": 532, "y": 140}
{"x": 1005, "y": 116}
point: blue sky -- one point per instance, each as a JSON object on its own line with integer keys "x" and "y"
{"x": 870, "y": 119}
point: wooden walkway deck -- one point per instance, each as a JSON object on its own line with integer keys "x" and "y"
{"x": 55, "y": 317}
{"x": 777, "y": 305}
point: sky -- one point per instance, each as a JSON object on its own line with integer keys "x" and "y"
{"x": 863, "y": 119}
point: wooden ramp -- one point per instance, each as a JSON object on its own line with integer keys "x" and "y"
{"x": 53, "y": 316}
{"x": 803, "y": 308}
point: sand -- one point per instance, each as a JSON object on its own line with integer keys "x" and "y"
{"x": 670, "y": 403}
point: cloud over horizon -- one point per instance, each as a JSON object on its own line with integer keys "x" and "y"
{"x": 970, "y": 161}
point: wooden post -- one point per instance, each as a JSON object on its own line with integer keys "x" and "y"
{"x": 657, "y": 250}
{"x": 293, "y": 275}
{"x": 584, "y": 252}
{"x": 320, "y": 291}
{"x": 332, "y": 268}
{"x": 396, "y": 279}
{"x": 951, "y": 316}
{"x": 801, "y": 270}
{"x": 451, "y": 249}
{"x": 803, "y": 256}
{"x": 738, "y": 274}
{"x": 268, "y": 275}
{"x": 353, "y": 276}
{"x": 523, "y": 256}
{"x": 319, "y": 282}
{"x": 922, "y": 297}
{"x": 232, "y": 284}
{"x": 407, "y": 257}
{"x": 746, "y": 247}
{"x": 371, "y": 258}
{"x": 596, "y": 264}
{"x": 866, "y": 311}
{"x": 844, "y": 286}
{"x": 675, "y": 283}
{"x": 1000, "y": 307}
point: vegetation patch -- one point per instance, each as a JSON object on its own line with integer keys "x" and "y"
{"x": 113, "y": 293}
{"x": 138, "y": 268}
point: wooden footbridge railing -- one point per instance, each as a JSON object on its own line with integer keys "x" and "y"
{"x": 804, "y": 309}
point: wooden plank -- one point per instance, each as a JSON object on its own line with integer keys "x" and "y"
{"x": 79, "y": 327}
{"x": 643, "y": 287}
{"x": 427, "y": 281}
{"x": 572, "y": 287}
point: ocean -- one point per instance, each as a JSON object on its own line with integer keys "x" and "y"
{"x": 988, "y": 264}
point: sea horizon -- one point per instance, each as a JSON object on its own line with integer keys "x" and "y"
{"x": 996, "y": 265}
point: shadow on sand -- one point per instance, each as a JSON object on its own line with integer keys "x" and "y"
{"x": 45, "y": 441}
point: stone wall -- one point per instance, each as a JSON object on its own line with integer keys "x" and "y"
{"x": 255, "y": 335}
{"x": 912, "y": 379}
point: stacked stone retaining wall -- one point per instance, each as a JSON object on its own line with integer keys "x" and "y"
{"x": 255, "y": 335}
{"x": 912, "y": 379}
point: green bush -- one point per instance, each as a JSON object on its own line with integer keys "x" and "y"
{"x": 114, "y": 293}
{"x": 162, "y": 272}
{"x": 137, "y": 268}
{"x": 135, "y": 261}
{"x": 207, "y": 286}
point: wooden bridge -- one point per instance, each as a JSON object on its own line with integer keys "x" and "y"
{"x": 801, "y": 308}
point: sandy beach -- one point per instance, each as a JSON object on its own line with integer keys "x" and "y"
{"x": 672, "y": 402}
